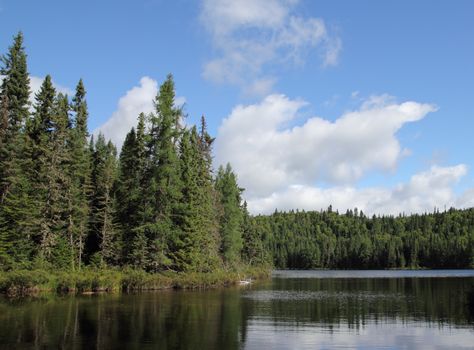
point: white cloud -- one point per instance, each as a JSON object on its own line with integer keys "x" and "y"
{"x": 136, "y": 100}
{"x": 224, "y": 16}
{"x": 466, "y": 199}
{"x": 279, "y": 164}
{"x": 333, "y": 50}
{"x": 249, "y": 35}
{"x": 260, "y": 87}
{"x": 256, "y": 140}
{"x": 422, "y": 193}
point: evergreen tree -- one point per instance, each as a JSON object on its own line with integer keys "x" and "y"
{"x": 15, "y": 85}
{"x": 39, "y": 129}
{"x": 197, "y": 247}
{"x": 129, "y": 190}
{"x": 15, "y": 243}
{"x": 103, "y": 243}
{"x": 231, "y": 214}
{"x": 208, "y": 212}
{"x": 80, "y": 174}
{"x": 162, "y": 189}
{"x": 57, "y": 184}
{"x": 14, "y": 95}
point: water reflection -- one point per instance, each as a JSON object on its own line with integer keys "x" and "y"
{"x": 287, "y": 313}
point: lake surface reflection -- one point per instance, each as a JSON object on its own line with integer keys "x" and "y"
{"x": 294, "y": 310}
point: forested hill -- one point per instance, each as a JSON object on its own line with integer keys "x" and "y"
{"x": 69, "y": 200}
{"x": 330, "y": 240}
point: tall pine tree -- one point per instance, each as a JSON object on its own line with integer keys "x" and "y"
{"x": 40, "y": 133}
{"x": 231, "y": 214}
{"x": 80, "y": 174}
{"x": 162, "y": 202}
{"x": 129, "y": 190}
{"x": 103, "y": 244}
{"x": 15, "y": 243}
{"x": 197, "y": 246}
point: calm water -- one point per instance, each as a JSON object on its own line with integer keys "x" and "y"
{"x": 295, "y": 310}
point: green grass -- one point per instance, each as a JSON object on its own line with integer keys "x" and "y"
{"x": 28, "y": 282}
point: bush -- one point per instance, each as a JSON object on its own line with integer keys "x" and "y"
{"x": 23, "y": 282}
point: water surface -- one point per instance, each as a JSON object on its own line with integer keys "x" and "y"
{"x": 293, "y": 310}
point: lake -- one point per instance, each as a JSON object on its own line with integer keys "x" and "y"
{"x": 431, "y": 309}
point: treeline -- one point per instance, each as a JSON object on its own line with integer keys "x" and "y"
{"x": 68, "y": 200}
{"x": 328, "y": 239}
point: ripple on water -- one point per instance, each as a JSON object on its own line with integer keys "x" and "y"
{"x": 302, "y": 295}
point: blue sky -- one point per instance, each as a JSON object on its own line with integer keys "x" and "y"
{"x": 306, "y": 65}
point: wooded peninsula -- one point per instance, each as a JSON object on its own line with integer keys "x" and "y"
{"x": 76, "y": 214}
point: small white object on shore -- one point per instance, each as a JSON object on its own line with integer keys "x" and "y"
{"x": 245, "y": 282}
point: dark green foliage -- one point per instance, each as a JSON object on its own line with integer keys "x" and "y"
{"x": 15, "y": 245}
{"x": 197, "y": 246}
{"x": 253, "y": 236}
{"x": 129, "y": 191}
{"x": 40, "y": 130}
{"x": 329, "y": 240}
{"x": 231, "y": 216}
{"x": 15, "y": 88}
{"x": 80, "y": 174}
{"x": 162, "y": 184}
{"x": 103, "y": 243}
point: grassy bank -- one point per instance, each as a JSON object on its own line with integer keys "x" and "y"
{"x": 27, "y": 282}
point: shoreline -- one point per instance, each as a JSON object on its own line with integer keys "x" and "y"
{"x": 23, "y": 283}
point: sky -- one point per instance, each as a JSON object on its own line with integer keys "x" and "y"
{"x": 366, "y": 104}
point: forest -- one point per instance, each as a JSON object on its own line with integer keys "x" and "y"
{"x": 70, "y": 200}
{"x": 327, "y": 239}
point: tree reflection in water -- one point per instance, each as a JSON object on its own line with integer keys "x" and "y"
{"x": 225, "y": 319}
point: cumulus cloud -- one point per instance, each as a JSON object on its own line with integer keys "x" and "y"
{"x": 138, "y": 99}
{"x": 422, "y": 193}
{"x": 279, "y": 163}
{"x": 249, "y": 35}
{"x": 338, "y": 152}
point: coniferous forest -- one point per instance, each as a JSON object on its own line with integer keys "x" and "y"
{"x": 70, "y": 200}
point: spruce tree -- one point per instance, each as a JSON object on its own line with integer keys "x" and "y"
{"x": 40, "y": 133}
{"x": 136, "y": 252}
{"x": 198, "y": 243}
{"x": 210, "y": 240}
{"x": 162, "y": 190}
{"x": 129, "y": 191}
{"x": 230, "y": 215}
{"x": 14, "y": 104}
{"x": 16, "y": 84}
{"x": 80, "y": 173}
{"x": 103, "y": 244}
{"x": 186, "y": 245}
{"x": 57, "y": 184}
{"x": 15, "y": 243}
